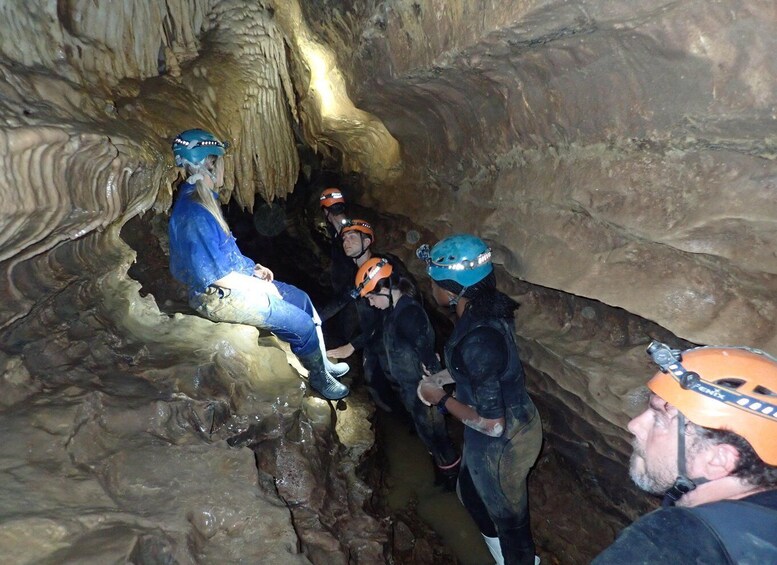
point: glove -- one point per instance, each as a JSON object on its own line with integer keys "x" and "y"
{"x": 427, "y": 388}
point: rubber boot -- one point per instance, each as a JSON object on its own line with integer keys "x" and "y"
{"x": 495, "y": 549}
{"x": 320, "y": 380}
{"x": 447, "y": 475}
{"x": 337, "y": 370}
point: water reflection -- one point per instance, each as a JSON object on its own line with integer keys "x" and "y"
{"x": 411, "y": 478}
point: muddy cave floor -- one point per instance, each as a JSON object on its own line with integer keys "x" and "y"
{"x": 427, "y": 524}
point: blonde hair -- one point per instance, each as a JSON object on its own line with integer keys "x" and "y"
{"x": 204, "y": 196}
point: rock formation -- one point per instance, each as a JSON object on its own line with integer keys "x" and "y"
{"x": 618, "y": 157}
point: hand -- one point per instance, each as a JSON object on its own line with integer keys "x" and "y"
{"x": 429, "y": 393}
{"x": 440, "y": 378}
{"x": 261, "y": 272}
{"x": 341, "y": 352}
{"x": 248, "y": 284}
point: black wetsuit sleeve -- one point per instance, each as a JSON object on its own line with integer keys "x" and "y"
{"x": 670, "y": 535}
{"x": 484, "y": 357}
{"x": 342, "y": 268}
{"x": 359, "y": 341}
{"x": 413, "y": 345}
{"x": 371, "y": 324}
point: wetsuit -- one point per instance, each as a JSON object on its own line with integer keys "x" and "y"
{"x": 727, "y": 532}
{"x": 202, "y": 253}
{"x": 370, "y": 339}
{"x": 482, "y": 358}
{"x": 342, "y": 269}
{"x": 376, "y": 366}
{"x": 408, "y": 338}
{"x": 342, "y": 272}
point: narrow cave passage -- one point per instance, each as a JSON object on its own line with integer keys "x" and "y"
{"x": 427, "y": 522}
{"x": 618, "y": 157}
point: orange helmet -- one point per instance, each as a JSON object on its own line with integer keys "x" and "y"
{"x": 358, "y": 225}
{"x": 372, "y": 271}
{"x": 331, "y": 196}
{"x": 723, "y": 388}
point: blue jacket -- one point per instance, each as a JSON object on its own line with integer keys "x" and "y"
{"x": 200, "y": 251}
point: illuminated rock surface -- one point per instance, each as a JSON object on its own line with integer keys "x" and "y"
{"x": 619, "y": 158}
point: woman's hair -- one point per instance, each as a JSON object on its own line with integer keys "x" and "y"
{"x": 487, "y": 283}
{"x": 405, "y": 285}
{"x": 204, "y": 196}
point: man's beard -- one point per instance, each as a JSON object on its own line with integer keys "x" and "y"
{"x": 642, "y": 477}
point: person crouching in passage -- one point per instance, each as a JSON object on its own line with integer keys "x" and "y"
{"x": 408, "y": 339}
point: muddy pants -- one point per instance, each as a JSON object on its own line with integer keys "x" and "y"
{"x": 492, "y": 486}
{"x": 292, "y": 319}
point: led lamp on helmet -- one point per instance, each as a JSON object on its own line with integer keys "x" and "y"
{"x": 330, "y": 197}
{"x": 193, "y": 146}
{"x": 360, "y": 226}
{"x": 370, "y": 273}
{"x": 462, "y": 258}
{"x": 722, "y": 388}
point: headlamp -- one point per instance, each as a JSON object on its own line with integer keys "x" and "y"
{"x": 330, "y": 196}
{"x": 669, "y": 361}
{"x": 201, "y": 143}
{"x": 424, "y": 254}
{"x": 346, "y": 223}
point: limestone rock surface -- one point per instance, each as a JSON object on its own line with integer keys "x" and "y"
{"x": 619, "y": 157}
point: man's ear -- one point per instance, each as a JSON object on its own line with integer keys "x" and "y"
{"x": 720, "y": 460}
{"x": 366, "y": 239}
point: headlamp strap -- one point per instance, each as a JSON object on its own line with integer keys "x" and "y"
{"x": 455, "y": 299}
{"x": 682, "y": 484}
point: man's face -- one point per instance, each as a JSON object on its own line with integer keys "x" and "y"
{"x": 653, "y": 465}
{"x": 353, "y": 244}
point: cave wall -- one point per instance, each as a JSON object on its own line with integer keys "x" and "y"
{"x": 601, "y": 141}
{"x": 622, "y": 154}
{"x": 619, "y": 159}
{"x": 134, "y": 433}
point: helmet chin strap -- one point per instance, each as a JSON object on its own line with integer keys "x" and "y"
{"x": 682, "y": 484}
{"x": 364, "y": 250}
{"x": 200, "y": 171}
{"x": 454, "y": 300}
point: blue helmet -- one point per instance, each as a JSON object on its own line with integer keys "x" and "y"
{"x": 462, "y": 258}
{"x": 193, "y": 146}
